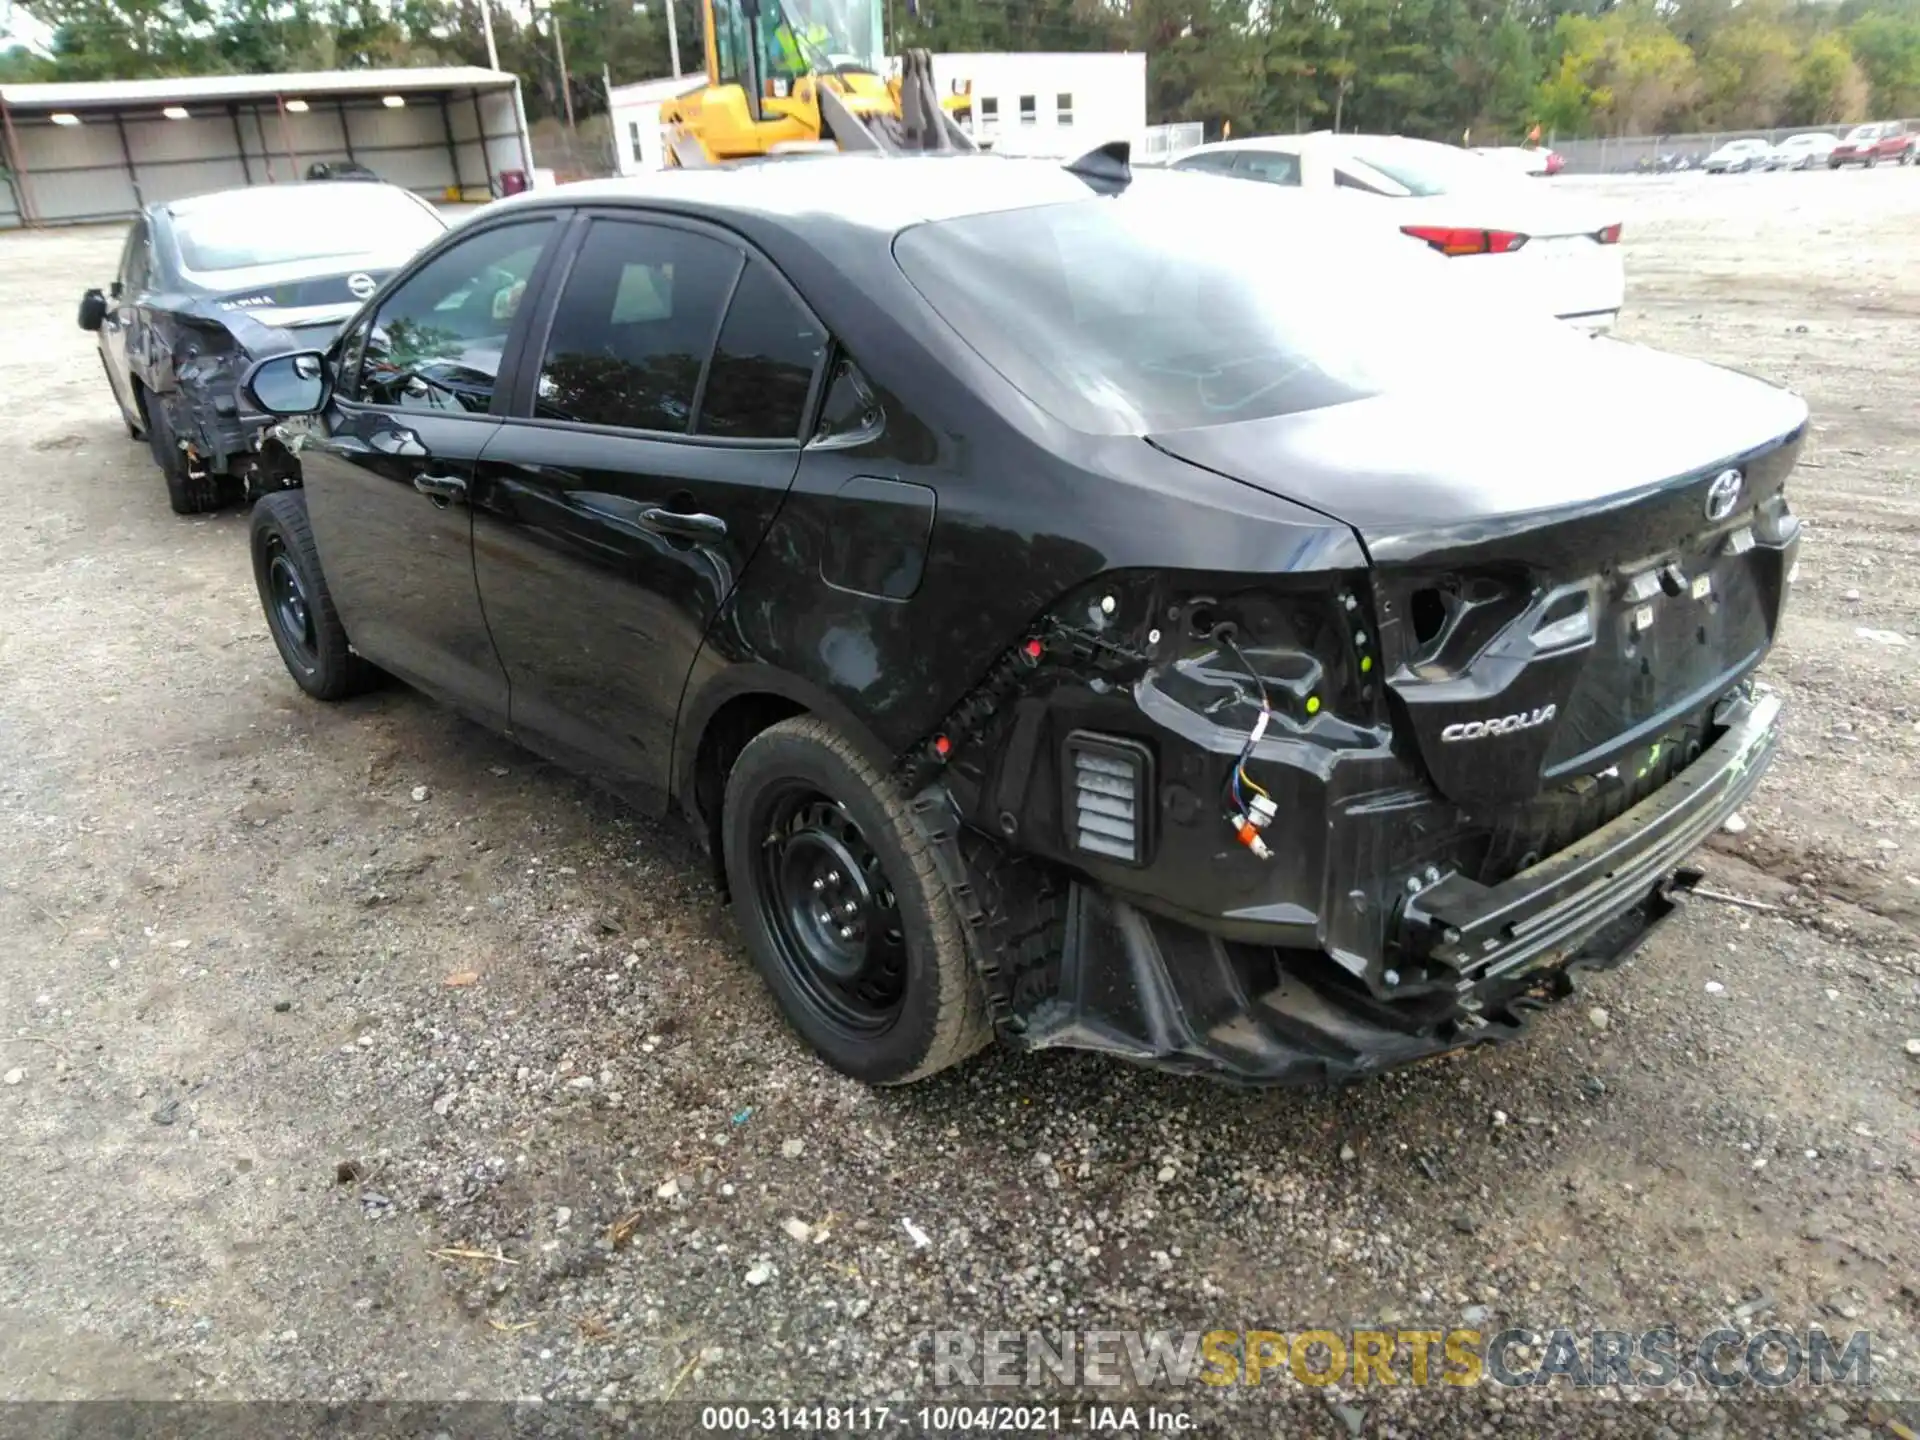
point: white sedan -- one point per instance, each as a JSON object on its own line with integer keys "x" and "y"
{"x": 1738, "y": 156}
{"x": 1802, "y": 152}
{"x": 1511, "y": 238}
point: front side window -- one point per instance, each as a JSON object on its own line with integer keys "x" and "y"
{"x": 436, "y": 341}
{"x": 763, "y": 365}
{"x": 635, "y": 326}
{"x": 136, "y": 264}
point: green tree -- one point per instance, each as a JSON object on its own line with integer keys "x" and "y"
{"x": 1746, "y": 73}
{"x": 1829, "y": 87}
{"x": 1887, "y": 47}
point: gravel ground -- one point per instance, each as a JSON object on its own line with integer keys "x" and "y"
{"x": 351, "y": 1053}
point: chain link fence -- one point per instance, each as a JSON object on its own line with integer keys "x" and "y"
{"x": 1627, "y": 154}
{"x": 1161, "y": 143}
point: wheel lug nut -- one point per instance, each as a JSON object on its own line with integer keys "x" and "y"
{"x": 852, "y": 907}
{"x": 818, "y": 883}
{"x": 846, "y": 932}
{"x": 833, "y": 877}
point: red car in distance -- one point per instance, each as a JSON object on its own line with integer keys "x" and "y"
{"x": 1873, "y": 142}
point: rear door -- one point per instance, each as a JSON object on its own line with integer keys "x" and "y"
{"x": 656, "y": 430}
{"x": 389, "y": 467}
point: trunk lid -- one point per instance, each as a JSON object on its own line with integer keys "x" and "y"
{"x": 1561, "y": 580}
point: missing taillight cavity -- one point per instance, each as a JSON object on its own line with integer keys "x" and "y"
{"x": 1455, "y": 240}
{"x": 1429, "y": 613}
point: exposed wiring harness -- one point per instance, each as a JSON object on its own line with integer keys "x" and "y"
{"x": 1249, "y": 816}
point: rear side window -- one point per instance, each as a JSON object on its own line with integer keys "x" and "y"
{"x": 763, "y": 366}
{"x": 635, "y": 326}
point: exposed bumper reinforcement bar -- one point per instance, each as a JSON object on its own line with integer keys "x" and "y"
{"x": 1480, "y": 931}
{"x": 1163, "y": 993}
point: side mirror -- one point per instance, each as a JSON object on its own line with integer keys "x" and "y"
{"x": 296, "y": 384}
{"x": 93, "y": 310}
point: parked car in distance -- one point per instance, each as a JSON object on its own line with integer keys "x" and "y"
{"x": 208, "y": 285}
{"x": 1873, "y": 142}
{"x": 1737, "y": 156}
{"x": 1057, "y": 619}
{"x": 1511, "y": 240}
{"x": 1801, "y": 152}
{"x": 339, "y": 170}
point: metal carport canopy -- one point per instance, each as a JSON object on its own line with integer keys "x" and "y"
{"x": 100, "y": 150}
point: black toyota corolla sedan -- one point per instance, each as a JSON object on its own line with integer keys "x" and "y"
{"x": 1136, "y": 613}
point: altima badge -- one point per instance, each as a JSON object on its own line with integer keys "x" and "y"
{"x": 1723, "y": 494}
{"x": 1500, "y": 725}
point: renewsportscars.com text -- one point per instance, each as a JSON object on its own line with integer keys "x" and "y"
{"x": 1725, "y": 1359}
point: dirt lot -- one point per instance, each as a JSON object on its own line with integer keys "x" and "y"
{"x": 304, "y": 1011}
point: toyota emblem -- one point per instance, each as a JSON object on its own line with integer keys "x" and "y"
{"x": 363, "y": 285}
{"x": 1723, "y": 495}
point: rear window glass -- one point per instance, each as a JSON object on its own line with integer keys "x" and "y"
{"x": 1421, "y": 167}
{"x": 1133, "y": 315}
{"x": 285, "y": 224}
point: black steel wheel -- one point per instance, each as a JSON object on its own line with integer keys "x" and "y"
{"x": 293, "y": 593}
{"x": 836, "y": 919}
{"x": 847, "y": 920}
{"x": 286, "y": 602}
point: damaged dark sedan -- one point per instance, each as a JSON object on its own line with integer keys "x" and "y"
{"x": 1138, "y": 613}
{"x": 208, "y": 285}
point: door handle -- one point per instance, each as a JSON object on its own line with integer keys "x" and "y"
{"x": 690, "y": 527}
{"x": 441, "y": 487}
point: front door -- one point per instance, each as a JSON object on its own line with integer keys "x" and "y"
{"x": 116, "y": 326}
{"x": 389, "y": 469}
{"x": 650, "y": 451}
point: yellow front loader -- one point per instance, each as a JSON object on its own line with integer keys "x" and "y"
{"x": 787, "y": 76}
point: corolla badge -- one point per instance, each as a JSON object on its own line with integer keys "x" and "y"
{"x": 1499, "y": 725}
{"x": 1724, "y": 494}
{"x": 362, "y": 285}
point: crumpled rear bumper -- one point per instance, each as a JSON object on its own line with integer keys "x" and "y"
{"x": 1166, "y": 993}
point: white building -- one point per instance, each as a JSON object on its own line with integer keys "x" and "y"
{"x": 634, "y": 113}
{"x": 1023, "y": 104}
{"x": 1051, "y": 104}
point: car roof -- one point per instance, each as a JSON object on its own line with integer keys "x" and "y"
{"x": 186, "y": 205}
{"x": 1344, "y": 140}
{"x": 878, "y": 193}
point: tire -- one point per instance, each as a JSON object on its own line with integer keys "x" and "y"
{"x": 1872, "y": 160}
{"x": 808, "y": 823}
{"x": 300, "y": 615}
{"x": 187, "y": 493}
